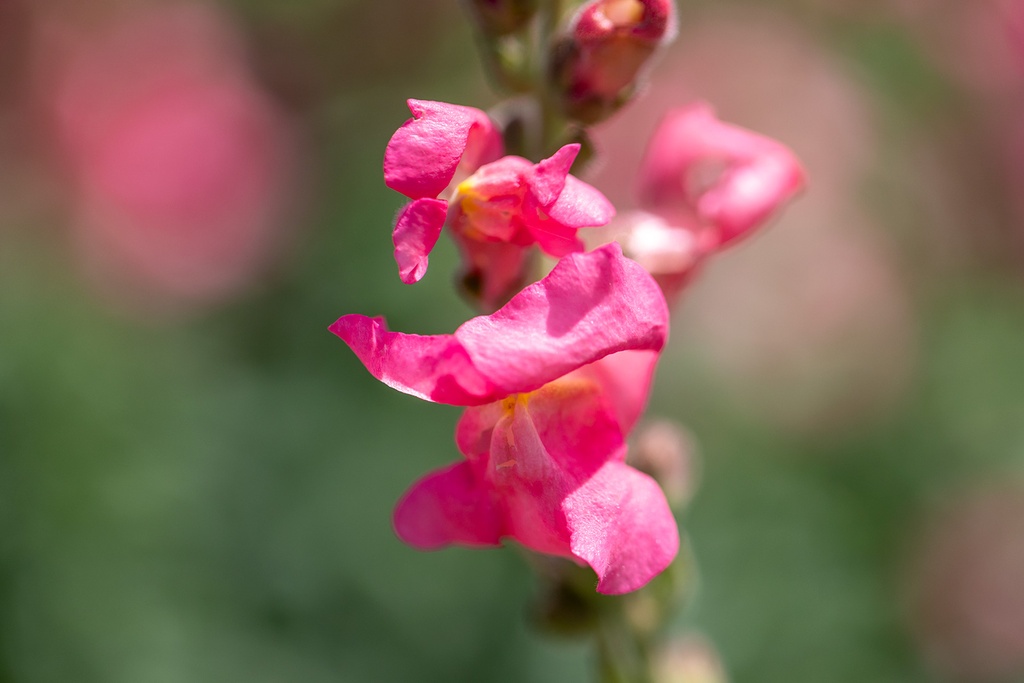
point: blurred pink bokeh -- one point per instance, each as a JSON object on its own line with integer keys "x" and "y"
{"x": 967, "y": 586}
{"x": 181, "y": 166}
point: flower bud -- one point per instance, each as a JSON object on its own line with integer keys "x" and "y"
{"x": 595, "y": 68}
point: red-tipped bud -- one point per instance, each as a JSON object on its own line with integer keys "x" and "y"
{"x": 597, "y": 65}
{"x": 645, "y": 21}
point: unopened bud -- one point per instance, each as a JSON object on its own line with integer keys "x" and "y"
{"x": 501, "y": 17}
{"x": 595, "y": 68}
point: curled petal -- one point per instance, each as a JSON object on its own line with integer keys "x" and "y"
{"x": 448, "y": 506}
{"x": 424, "y": 154}
{"x": 750, "y": 195}
{"x": 589, "y": 306}
{"x": 729, "y": 179}
{"x": 621, "y": 524}
{"x": 435, "y": 368}
{"x": 416, "y": 232}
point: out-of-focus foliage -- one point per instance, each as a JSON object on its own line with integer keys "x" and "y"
{"x": 205, "y": 495}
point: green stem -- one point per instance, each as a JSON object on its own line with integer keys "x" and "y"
{"x": 624, "y": 655}
{"x": 551, "y": 120}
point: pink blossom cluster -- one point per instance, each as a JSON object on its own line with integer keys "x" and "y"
{"x": 555, "y": 377}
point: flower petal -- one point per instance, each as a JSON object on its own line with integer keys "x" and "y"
{"x": 581, "y": 206}
{"x": 424, "y": 154}
{"x": 548, "y": 177}
{"x": 416, "y": 232}
{"x": 621, "y": 525}
{"x": 529, "y": 483}
{"x": 625, "y": 378}
{"x": 589, "y": 306}
{"x": 492, "y": 272}
{"x": 750, "y": 194}
{"x": 553, "y": 238}
{"x": 543, "y": 446}
{"x": 729, "y": 178}
{"x": 435, "y": 368}
{"x": 448, "y": 506}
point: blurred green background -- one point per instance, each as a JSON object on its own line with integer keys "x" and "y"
{"x": 205, "y": 494}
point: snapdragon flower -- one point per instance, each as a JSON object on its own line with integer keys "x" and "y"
{"x": 448, "y": 161}
{"x": 553, "y": 382}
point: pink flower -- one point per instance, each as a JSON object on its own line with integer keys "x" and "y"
{"x": 717, "y": 179}
{"x": 181, "y": 162}
{"x": 553, "y": 382}
{"x": 448, "y": 160}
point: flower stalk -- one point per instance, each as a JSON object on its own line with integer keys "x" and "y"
{"x": 556, "y": 373}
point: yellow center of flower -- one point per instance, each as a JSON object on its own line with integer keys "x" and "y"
{"x": 485, "y": 215}
{"x": 624, "y": 13}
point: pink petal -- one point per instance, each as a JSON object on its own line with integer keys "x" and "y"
{"x": 498, "y": 270}
{"x": 729, "y": 178}
{"x": 475, "y": 428}
{"x": 529, "y": 483}
{"x": 424, "y": 154}
{"x": 575, "y": 420}
{"x": 589, "y": 306}
{"x": 621, "y": 525}
{"x": 556, "y": 465}
{"x": 553, "y": 238}
{"x": 416, "y": 232}
{"x": 750, "y": 194}
{"x": 625, "y": 378}
{"x": 448, "y": 506}
{"x": 542, "y": 446}
{"x": 548, "y": 177}
{"x": 581, "y": 206}
{"x": 435, "y": 368}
